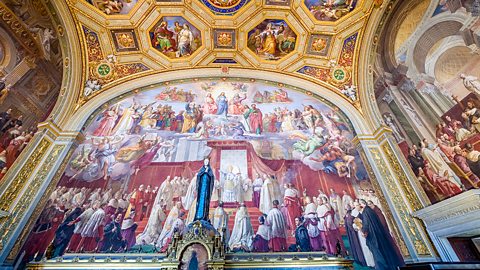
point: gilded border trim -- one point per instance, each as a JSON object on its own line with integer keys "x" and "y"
{"x": 401, "y": 207}
{"x": 412, "y": 197}
{"x": 51, "y": 161}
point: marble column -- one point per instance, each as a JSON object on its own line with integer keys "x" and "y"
{"x": 36, "y": 172}
{"x": 412, "y": 106}
{"x": 399, "y": 191}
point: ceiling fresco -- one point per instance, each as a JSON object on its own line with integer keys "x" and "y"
{"x": 175, "y": 37}
{"x": 272, "y": 39}
{"x": 313, "y": 39}
{"x": 329, "y": 10}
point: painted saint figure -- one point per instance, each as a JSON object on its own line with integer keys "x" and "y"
{"x": 255, "y": 117}
{"x": 205, "y": 181}
{"x": 222, "y": 104}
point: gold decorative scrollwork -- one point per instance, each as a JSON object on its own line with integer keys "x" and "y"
{"x": 19, "y": 181}
{"x": 22, "y": 204}
{"x": 400, "y": 205}
{"x": 402, "y": 177}
{"x": 19, "y": 30}
{"x": 52, "y": 159}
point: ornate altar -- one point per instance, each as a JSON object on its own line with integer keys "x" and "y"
{"x": 202, "y": 242}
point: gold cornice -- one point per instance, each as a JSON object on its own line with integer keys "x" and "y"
{"x": 110, "y": 85}
{"x": 376, "y": 136}
{"x": 19, "y": 30}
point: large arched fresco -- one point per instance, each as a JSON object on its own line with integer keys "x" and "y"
{"x": 131, "y": 183}
{"x": 431, "y": 100}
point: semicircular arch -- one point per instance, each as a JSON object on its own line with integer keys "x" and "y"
{"x": 81, "y": 116}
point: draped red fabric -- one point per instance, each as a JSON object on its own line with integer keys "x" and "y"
{"x": 293, "y": 171}
{"x": 261, "y": 166}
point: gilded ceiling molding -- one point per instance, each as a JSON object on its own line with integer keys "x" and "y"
{"x": 19, "y": 30}
{"x": 144, "y": 15}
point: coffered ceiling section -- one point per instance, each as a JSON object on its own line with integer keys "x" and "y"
{"x": 315, "y": 39}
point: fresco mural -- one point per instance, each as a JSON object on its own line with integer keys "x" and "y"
{"x": 440, "y": 142}
{"x": 282, "y": 161}
{"x": 329, "y": 10}
{"x": 113, "y": 7}
{"x": 272, "y": 39}
{"x": 175, "y": 37}
{"x": 449, "y": 165}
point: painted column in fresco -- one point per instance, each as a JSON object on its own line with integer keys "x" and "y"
{"x": 38, "y": 169}
{"x": 396, "y": 188}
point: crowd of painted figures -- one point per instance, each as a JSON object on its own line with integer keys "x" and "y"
{"x": 98, "y": 220}
{"x": 137, "y": 117}
{"x": 13, "y": 139}
{"x": 449, "y": 166}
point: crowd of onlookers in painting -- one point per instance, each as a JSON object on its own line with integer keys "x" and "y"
{"x": 13, "y": 139}
{"x": 451, "y": 164}
{"x": 108, "y": 221}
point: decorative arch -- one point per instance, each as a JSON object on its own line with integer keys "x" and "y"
{"x": 430, "y": 37}
{"x": 9, "y": 50}
{"x": 447, "y": 44}
{"x": 399, "y": 12}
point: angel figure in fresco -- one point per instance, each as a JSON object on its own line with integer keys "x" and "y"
{"x": 350, "y": 92}
{"x": 46, "y": 36}
{"x": 133, "y": 152}
{"x": 105, "y": 154}
{"x": 91, "y": 86}
{"x": 149, "y": 155}
{"x": 81, "y": 161}
{"x": 308, "y": 144}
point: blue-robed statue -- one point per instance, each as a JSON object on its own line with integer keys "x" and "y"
{"x": 205, "y": 181}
